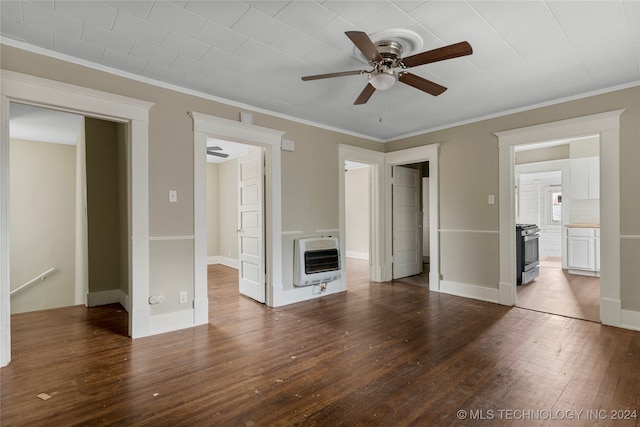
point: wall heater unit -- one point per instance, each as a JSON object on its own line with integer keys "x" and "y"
{"x": 316, "y": 261}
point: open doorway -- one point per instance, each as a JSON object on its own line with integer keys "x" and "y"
{"x": 134, "y": 114}
{"x": 557, "y": 193}
{"x": 69, "y": 212}
{"x": 357, "y": 203}
{"x": 235, "y": 213}
{"x": 381, "y": 206}
{"x": 410, "y": 213}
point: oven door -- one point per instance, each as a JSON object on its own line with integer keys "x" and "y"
{"x": 531, "y": 254}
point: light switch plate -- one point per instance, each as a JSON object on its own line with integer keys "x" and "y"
{"x": 491, "y": 199}
{"x": 173, "y": 196}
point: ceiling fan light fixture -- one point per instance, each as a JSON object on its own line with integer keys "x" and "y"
{"x": 383, "y": 80}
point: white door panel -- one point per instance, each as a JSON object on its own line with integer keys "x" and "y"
{"x": 251, "y": 269}
{"x": 407, "y": 218}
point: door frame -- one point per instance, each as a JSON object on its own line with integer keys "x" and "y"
{"x": 607, "y": 125}
{"x": 426, "y": 153}
{"x": 270, "y": 140}
{"x": 375, "y": 160}
{"x": 26, "y": 89}
{"x": 381, "y": 217}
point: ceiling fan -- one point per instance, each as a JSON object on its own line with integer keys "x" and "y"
{"x": 215, "y": 151}
{"x": 385, "y": 56}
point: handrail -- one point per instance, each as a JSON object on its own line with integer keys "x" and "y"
{"x": 35, "y": 279}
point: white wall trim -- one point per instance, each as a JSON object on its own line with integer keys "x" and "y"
{"x": 451, "y": 230}
{"x": 630, "y": 319}
{"x": 112, "y": 296}
{"x": 607, "y": 125}
{"x": 467, "y": 290}
{"x": 17, "y": 87}
{"x": 229, "y": 262}
{"x": 375, "y": 160}
{"x": 328, "y": 230}
{"x": 245, "y": 133}
{"x": 426, "y": 153}
{"x": 358, "y": 255}
{"x": 170, "y": 238}
{"x": 169, "y": 322}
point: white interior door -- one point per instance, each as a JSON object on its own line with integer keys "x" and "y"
{"x": 251, "y": 269}
{"x": 407, "y": 222}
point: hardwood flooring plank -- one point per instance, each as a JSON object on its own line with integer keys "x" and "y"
{"x": 378, "y": 355}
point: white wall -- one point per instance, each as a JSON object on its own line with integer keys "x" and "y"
{"x": 42, "y": 224}
{"x": 222, "y": 213}
{"x": 357, "y": 211}
{"x": 213, "y": 216}
{"x": 228, "y": 209}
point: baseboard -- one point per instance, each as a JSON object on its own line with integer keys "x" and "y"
{"x": 610, "y": 312}
{"x": 506, "y": 293}
{"x": 124, "y": 301}
{"x": 470, "y": 291}
{"x": 113, "y": 296}
{"x": 630, "y": 319}
{"x": 358, "y": 255}
{"x": 229, "y": 262}
{"x": 584, "y": 273}
{"x": 305, "y": 293}
{"x": 170, "y": 322}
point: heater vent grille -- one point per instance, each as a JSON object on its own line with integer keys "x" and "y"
{"x": 317, "y": 260}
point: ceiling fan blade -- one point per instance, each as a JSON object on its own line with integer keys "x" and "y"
{"x": 365, "y": 45}
{"x": 215, "y": 153}
{"x": 423, "y": 84}
{"x": 365, "y": 94}
{"x": 447, "y": 52}
{"x": 329, "y": 75}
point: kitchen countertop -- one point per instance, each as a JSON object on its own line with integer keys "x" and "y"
{"x": 582, "y": 225}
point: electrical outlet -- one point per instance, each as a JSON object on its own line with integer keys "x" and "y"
{"x": 183, "y": 297}
{"x": 156, "y": 299}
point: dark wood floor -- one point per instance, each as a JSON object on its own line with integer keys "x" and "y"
{"x": 557, "y": 291}
{"x": 389, "y": 354}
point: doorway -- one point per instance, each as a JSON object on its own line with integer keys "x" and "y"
{"x": 381, "y": 268}
{"x": 269, "y": 140}
{"x": 132, "y": 112}
{"x": 544, "y": 198}
{"x": 235, "y": 220}
{"x": 357, "y": 188}
{"x": 607, "y": 126}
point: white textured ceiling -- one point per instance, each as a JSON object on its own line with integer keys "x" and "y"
{"x": 254, "y": 52}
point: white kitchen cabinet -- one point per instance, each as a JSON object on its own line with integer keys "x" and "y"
{"x": 585, "y": 178}
{"x": 597, "y": 248}
{"x": 594, "y": 178}
{"x": 583, "y": 250}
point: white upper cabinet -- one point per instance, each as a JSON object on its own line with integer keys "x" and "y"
{"x": 594, "y": 177}
{"x": 585, "y": 178}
